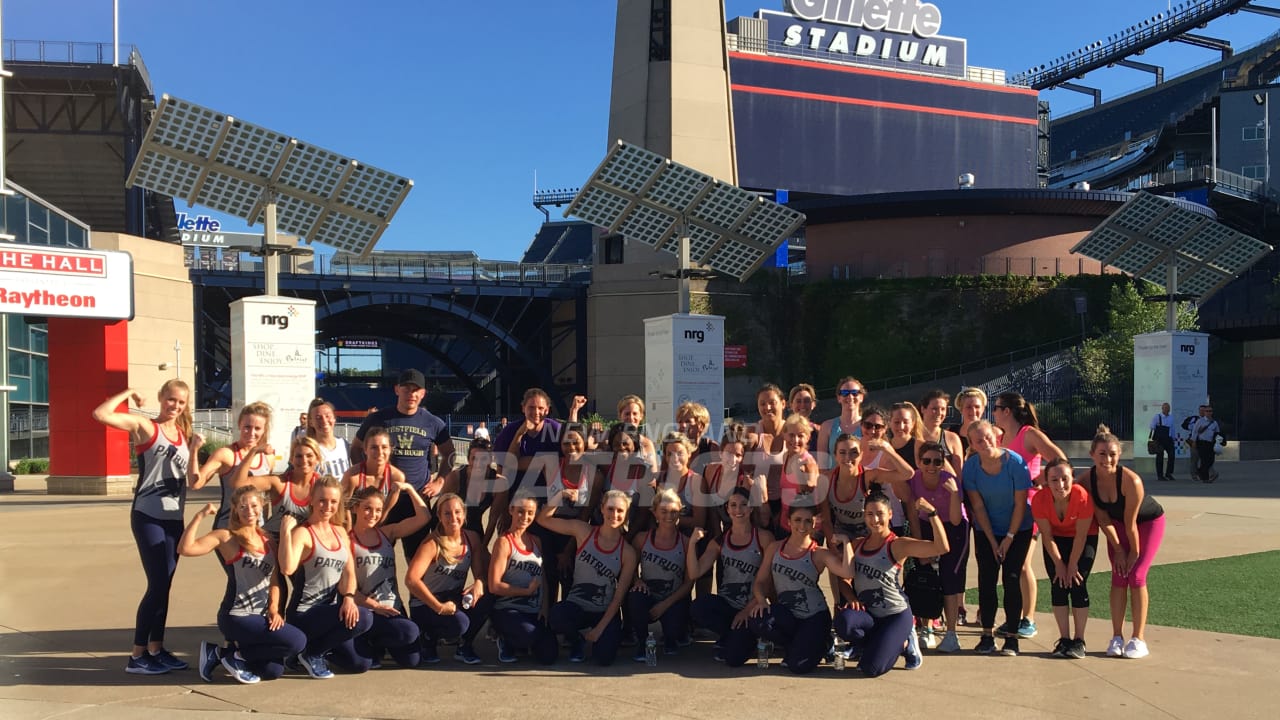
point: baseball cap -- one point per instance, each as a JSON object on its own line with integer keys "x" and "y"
{"x": 411, "y": 377}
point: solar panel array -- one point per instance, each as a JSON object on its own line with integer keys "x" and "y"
{"x": 650, "y": 199}
{"x": 1149, "y": 231}
{"x": 212, "y": 159}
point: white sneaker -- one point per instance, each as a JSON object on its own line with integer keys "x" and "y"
{"x": 950, "y": 643}
{"x": 1135, "y": 649}
{"x": 1116, "y": 647}
{"x": 928, "y": 639}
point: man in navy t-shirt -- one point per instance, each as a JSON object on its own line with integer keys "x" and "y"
{"x": 416, "y": 436}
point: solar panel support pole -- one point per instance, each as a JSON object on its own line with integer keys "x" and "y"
{"x": 270, "y": 260}
{"x": 1171, "y": 287}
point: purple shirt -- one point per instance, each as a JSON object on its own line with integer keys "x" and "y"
{"x": 546, "y": 440}
{"x": 939, "y": 497}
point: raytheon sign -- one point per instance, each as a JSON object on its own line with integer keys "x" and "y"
{"x": 902, "y": 34}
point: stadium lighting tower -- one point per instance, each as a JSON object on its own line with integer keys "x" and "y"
{"x": 213, "y": 159}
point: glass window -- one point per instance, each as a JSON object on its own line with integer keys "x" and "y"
{"x": 18, "y": 333}
{"x": 19, "y": 364}
{"x": 58, "y": 231}
{"x": 15, "y": 216}
{"x": 40, "y": 379}
{"x": 39, "y": 335}
{"x": 76, "y": 236}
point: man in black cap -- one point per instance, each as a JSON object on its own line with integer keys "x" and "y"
{"x": 416, "y": 435}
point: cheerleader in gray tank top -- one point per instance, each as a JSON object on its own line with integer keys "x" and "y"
{"x": 376, "y": 470}
{"x": 787, "y": 605}
{"x": 318, "y": 557}
{"x": 661, "y": 589}
{"x": 515, "y": 578}
{"x": 377, "y": 589}
{"x": 253, "y": 423}
{"x": 250, "y": 614}
{"x": 164, "y": 447}
{"x": 603, "y": 570}
{"x": 576, "y": 472}
{"x": 290, "y": 492}
{"x": 443, "y": 606}
{"x": 883, "y": 627}
{"x": 739, "y": 552}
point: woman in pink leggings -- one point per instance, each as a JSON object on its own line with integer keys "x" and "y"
{"x": 1133, "y": 523}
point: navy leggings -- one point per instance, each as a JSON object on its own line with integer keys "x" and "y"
{"x": 463, "y": 624}
{"x": 263, "y": 649}
{"x": 158, "y": 549}
{"x": 807, "y": 639}
{"x": 326, "y": 633}
{"x": 675, "y": 621}
{"x": 569, "y": 619}
{"x": 398, "y": 635}
{"x": 881, "y": 639}
{"x": 714, "y": 613}
{"x": 525, "y": 631}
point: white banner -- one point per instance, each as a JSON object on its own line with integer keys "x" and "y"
{"x": 64, "y": 282}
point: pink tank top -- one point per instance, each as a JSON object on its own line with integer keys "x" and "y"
{"x": 1018, "y": 445}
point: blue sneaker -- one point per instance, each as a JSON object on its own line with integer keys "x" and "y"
{"x": 912, "y": 651}
{"x": 430, "y": 655}
{"x": 239, "y": 671}
{"x": 208, "y": 660}
{"x": 504, "y": 653}
{"x": 167, "y": 659}
{"x": 1006, "y": 629}
{"x": 315, "y": 666}
{"x": 467, "y": 654}
{"x": 1026, "y": 628}
{"x": 145, "y": 664}
{"x": 578, "y": 651}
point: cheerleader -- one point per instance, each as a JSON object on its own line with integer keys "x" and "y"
{"x": 660, "y": 592}
{"x": 290, "y": 491}
{"x": 375, "y": 470}
{"x": 373, "y": 545}
{"x": 515, "y": 578}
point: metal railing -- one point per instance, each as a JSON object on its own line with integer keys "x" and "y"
{"x": 1225, "y": 180}
{"x": 983, "y": 363}
{"x": 476, "y": 272}
{"x": 65, "y": 51}
{"x": 876, "y": 267}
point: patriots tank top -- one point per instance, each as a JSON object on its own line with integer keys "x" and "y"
{"x": 316, "y": 582}
{"x": 259, "y": 468}
{"x": 524, "y": 565}
{"x": 847, "y": 512}
{"x": 383, "y": 483}
{"x": 559, "y": 483}
{"x": 877, "y": 580}
{"x": 445, "y": 579}
{"x": 288, "y": 503}
{"x": 595, "y": 573}
{"x": 795, "y": 580}
{"x": 738, "y": 567}
{"x": 161, "y": 492}
{"x": 249, "y": 581}
{"x": 376, "y": 570}
{"x": 662, "y": 569}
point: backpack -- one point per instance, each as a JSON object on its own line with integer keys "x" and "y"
{"x": 923, "y": 586}
{"x": 1191, "y": 420}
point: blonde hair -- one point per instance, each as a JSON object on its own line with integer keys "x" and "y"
{"x": 259, "y": 409}
{"x": 183, "y": 421}
{"x": 448, "y": 549}
{"x": 797, "y": 423}
{"x": 667, "y": 496}
{"x": 696, "y": 411}
{"x": 973, "y": 392}
{"x": 681, "y": 439}
{"x": 310, "y": 444}
{"x": 246, "y": 535}
{"x": 626, "y": 400}
{"x": 340, "y": 516}
{"x": 917, "y": 431}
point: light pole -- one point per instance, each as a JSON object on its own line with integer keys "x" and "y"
{"x": 177, "y": 359}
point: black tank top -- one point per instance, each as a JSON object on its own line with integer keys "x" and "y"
{"x": 1149, "y": 509}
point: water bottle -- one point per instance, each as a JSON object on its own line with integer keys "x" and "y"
{"x": 651, "y": 651}
{"x": 762, "y": 654}
{"x": 467, "y": 599}
{"x": 839, "y": 647}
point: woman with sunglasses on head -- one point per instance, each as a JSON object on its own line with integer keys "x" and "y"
{"x": 165, "y": 447}
{"x": 515, "y": 579}
{"x": 803, "y": 400}
{"x": 660, "y": 592}
{"x": 373, "y": 545}
{"x": 937, "y": 485}
{"x": 904, "y": 431}
{"x": 1065, "y": 514}
{"x": 850, "y": 395}
{"x": 933, "y": 413}
{"x": 602, "y": 573}
{"x": 996, "y": 482}
{"x": 1020, "y": 428}
{"x": 1133, "y": 523}
{"x": 317, "y": 555}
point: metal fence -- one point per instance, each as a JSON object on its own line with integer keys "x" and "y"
{"x": 876, "y": 267}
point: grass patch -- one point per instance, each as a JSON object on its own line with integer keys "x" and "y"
{"x": 1227, "y": 595}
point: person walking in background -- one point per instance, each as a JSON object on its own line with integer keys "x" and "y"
{"x": 1162, "y": 435}
{"x": 1205, "y": 433}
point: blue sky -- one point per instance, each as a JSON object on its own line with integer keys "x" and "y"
{"x": 470, "y": 99}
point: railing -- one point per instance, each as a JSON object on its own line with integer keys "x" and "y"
{"x": 475, "y": 272}
{"x": 983, "y": 363}
{"x": 65, "y": 51}
{"x": 1225, "y": 180}
{"x": 952, "y": 266}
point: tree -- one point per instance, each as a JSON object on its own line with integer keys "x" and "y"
{"x": 1105, "y": 363}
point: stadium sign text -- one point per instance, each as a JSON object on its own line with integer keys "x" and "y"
{"x": 897, "y": 16}
{"x": 203, "y": 230}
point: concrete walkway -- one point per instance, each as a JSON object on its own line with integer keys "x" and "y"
{"x": 71, "y": 581}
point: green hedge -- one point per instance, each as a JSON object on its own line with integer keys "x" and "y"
{"x": 31, "y": 466}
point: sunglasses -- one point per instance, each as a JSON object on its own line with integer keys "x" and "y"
{"x": 932, "y": 461}
{"x": 999, "y": 407}
{"x": 872, "y": 426}
{"x": 849, "y": 392}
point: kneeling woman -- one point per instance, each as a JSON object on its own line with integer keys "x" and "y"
{"x": 798, "y": 616}
{"x": 376, "y": 578}
{"x": 318, "y": 557}
{"x": 661, "y": 589}
{"x": 443, "y": 605}
{"x": 515, "y": 578}
{"x": 602, "y": 572}
{"x": 249, "y": 615}
{"x": 883, "y": 627}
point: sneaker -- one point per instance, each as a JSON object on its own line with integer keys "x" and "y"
{"x": 912, "y": 652}
{"x": 1213, "y": 476}
{"x": 928, "y": 639}
{"x": 208, "y": 660}
{"x": 639, "y": 655}
{"x": 961, "y": 617}
{"x": 239, "y": 671}
{"x": 950, "y": 643}
{"x": 718, "y": 656}
{"x": 1135, "y": 649}
{"x": 578, "y": 651}
{"x": 167, "y": 659}
{"x": 430, "y": 655}
{"x": 375, "y": 663}
{"x": 1010, "y": 647}
{"x": 1060, "y": 647}
{"x": 504, "y": 653}
{"x": 467, "y": 654}
{"x": 1026, "y": 628}
{"x": 1006, "y": 630}
{"x": 986, "y": 645}
{"x": 144, "y": 664}
{"x": 1115, "y": 648}
{"x": 315, "y": 666}
{"x": 1076, "y": 650}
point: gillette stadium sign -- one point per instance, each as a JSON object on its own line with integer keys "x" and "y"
{"x": 894, "y": 34}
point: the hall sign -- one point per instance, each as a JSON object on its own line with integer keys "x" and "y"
{"x": 62, "y": 282}
{"x": 898, "y": 34}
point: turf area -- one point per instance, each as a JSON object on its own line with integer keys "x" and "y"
{"x": 1227, "y": 595}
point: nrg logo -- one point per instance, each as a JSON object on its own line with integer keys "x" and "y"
{"x": 279, "y": 321}
{"x": 698, "y": 335}
{"x": 1188, "y": 349}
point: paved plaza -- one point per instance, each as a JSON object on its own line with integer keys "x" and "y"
{"x": 70, "y": 581}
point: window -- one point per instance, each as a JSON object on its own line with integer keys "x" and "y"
{"x": 1252, "y": 132}
{"x": 1254, "y": 172}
